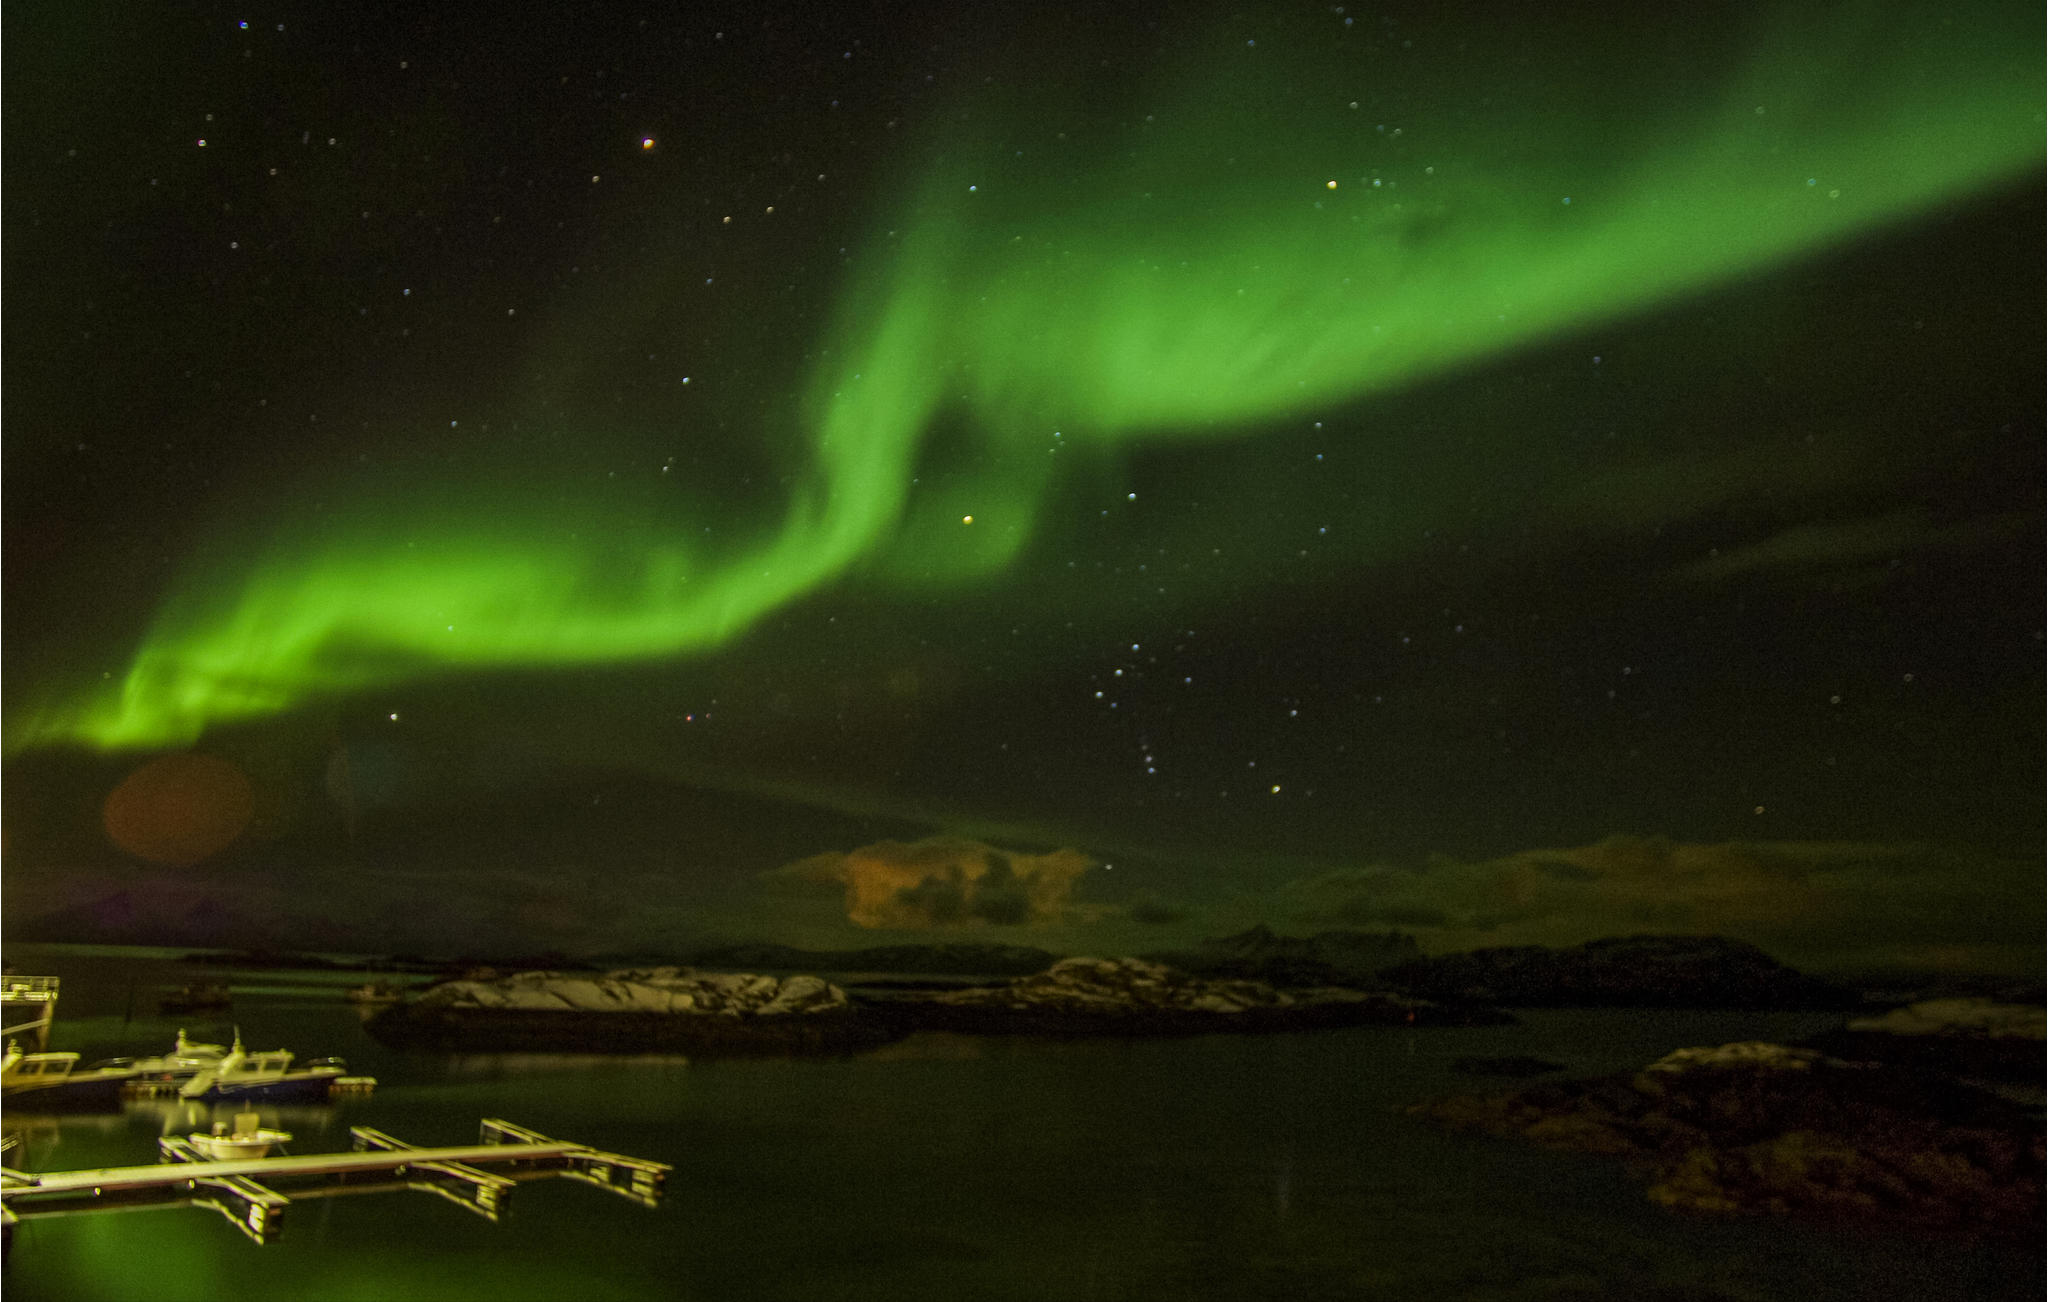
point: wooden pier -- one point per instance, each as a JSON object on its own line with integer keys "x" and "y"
{"x": 241, "y": 1189}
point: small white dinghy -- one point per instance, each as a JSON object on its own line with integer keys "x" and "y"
{"x": 248, "y": 1138}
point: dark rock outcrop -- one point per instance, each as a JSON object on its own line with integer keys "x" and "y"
{"x": 1622, "y": 972}
{"x": 1756, "y": 1127}
{"x": 633, "y": 1011}
{"x": 1129, "y": 996}
{"x": 1327, "y": 958}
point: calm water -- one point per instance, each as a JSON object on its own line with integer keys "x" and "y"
{"x": 948, "y": 1167}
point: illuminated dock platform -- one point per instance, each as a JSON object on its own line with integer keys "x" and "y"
{"x": 254, "y": 1192}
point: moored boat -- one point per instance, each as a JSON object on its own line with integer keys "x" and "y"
{"x": 55, "y": 1080}
{"x": 186, "y": 1057}
{"x": 268, "y": 1075}
{"x": 247, "y": 1138}
{"x": 42, "y": 1081}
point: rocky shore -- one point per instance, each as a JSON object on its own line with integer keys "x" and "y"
{"x": 1129, "y": 996}
{"x": 1768, "y": 1128}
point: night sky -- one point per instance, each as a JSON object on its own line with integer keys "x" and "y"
{"x": 568, "y": 476}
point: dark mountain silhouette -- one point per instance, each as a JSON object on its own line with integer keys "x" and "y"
{"x": 1342, "y": 958}
{"x": 1621, "y": 972}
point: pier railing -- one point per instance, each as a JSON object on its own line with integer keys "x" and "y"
{"x": 28, "y": 1004}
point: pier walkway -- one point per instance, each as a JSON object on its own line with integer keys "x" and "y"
{"x": 241, "y": 1189}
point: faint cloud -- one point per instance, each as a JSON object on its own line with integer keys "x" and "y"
{"x": 1647, "y": 491}
{"x": 1832, "y": 903}
{"x": 946, "y": 882}
{"x": 1853, "y": 544}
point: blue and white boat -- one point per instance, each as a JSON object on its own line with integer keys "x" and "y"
{"x": 270, "y": 1075}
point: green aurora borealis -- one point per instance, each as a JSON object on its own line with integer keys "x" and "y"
{"x": 471, "y": 488}
{"x": 1257, "y": 247}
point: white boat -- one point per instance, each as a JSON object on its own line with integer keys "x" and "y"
{"x": 55, "y": 1080}
{"x": 248, "y": 1138}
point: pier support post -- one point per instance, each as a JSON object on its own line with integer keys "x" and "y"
{"x": 461, "y": 1184}
{"x": 629, "y": 1177}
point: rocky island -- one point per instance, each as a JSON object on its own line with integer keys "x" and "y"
{"x": 675, "y": 1009}
{"x": 1769, "y": 1128}
{"x": 1130, "y": 996}
{"x": 662, "y": 1009}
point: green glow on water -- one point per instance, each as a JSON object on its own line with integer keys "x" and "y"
{"x": 1196, "y": 276}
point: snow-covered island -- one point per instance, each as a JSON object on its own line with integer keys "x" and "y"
{"x": 634, "y": 1010}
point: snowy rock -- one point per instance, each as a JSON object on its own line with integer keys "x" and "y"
{"x": 804, "y": 994}
{"x": 1757, "y": 1054}
{"x": 655, "y": 990}
{"x": 634, "y": 1011}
